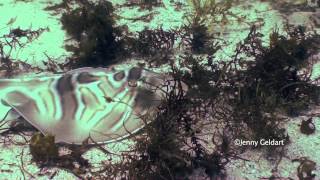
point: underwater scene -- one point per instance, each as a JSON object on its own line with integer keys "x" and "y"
{"x": 160, "y": 89}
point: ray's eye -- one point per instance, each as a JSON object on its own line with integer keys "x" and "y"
{"x": 119, "y": 76}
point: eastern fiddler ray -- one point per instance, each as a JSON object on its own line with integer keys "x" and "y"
{"x": 102, "y": 103}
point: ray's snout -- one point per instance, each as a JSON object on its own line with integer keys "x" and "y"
{"x": 162, "y": 83}
{"x": 155, "y": 89}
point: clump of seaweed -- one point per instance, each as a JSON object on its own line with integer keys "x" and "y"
{"x": 214, "y": 14}
{"x": 46, "y": 153}
{"x": 276, "y": 74}
{"x": 10, "y": 130}
{"x": 144, "y": 4}
{"x": 201, "y": 29}
{"x": 149, "y": 4}
{"x": 92, "y": 27}
{"x": 151, "y": 41}
{"x": 157, "y": 45}
{"x": 203, "y": 8}
{"x": 65, "y": 4}
{"x": 199, "y": 38}
{"x": 43, "y": 148}
{"x": 17, "y": 38}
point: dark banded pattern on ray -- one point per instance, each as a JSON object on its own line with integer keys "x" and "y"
{"x": 100, "y": 86}
{"x": 126, "y": 102}
{"x": 92, "y": 102}
{"x": 64, "y": 84}
{"x": 113, "y": 121}
{"x": 48, "y": 102}
{"x": 110, "y": 90}
{"x": 85, "y": 77}
{"x": 47, "y": 98}
{"x": 68, "y": 101}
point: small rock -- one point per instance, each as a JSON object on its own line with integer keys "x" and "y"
{"x": 307, "y": 127}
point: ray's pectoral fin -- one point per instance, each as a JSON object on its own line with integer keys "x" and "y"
{"x": 25, "y": 106}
